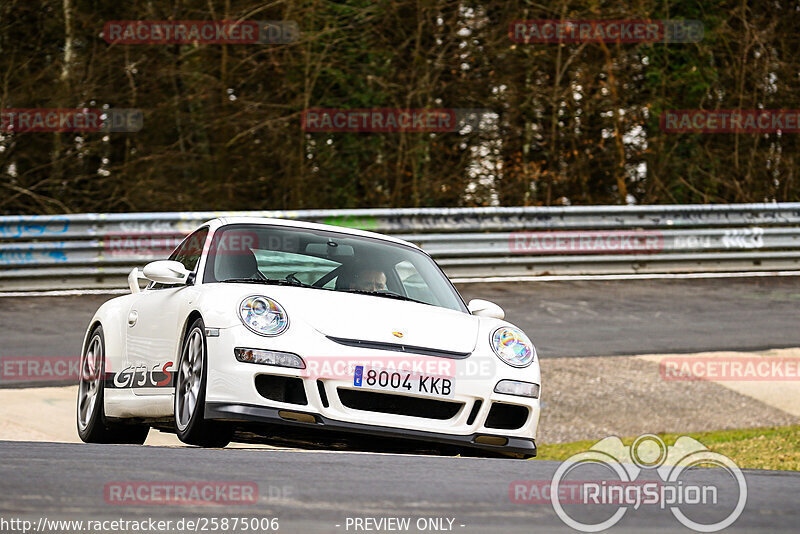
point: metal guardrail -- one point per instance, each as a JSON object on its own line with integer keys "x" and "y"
{"x": 98, "y": 250}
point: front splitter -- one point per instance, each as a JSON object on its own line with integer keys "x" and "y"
{"x": 312, "y": 421}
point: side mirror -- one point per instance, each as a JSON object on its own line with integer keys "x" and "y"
{"x": 484, "y": 308}
{"x": 166, "y": 272}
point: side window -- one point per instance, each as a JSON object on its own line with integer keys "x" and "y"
{"x": 188, "y": 253}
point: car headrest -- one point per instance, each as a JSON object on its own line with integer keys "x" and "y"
{"x": 242, "y": 264}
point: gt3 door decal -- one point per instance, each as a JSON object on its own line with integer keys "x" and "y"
{"x": 139, "y": 375}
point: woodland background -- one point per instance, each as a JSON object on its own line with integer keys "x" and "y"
{"x": 575, "y": 123}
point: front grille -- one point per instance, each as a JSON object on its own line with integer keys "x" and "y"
{"x": 371, "y": 401}
{"x": 398, "y": 347}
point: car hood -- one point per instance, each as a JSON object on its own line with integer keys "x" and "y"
{"x": 382, "y": 320}
{"x": 350, "y": 316}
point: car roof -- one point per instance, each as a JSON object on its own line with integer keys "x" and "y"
{"x": 222, "y": 221}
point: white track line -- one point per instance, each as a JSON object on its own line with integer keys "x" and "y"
{"x": 489, "y": 279}
{"x": 65, "y": 293}
{"x": 648, "y": 276}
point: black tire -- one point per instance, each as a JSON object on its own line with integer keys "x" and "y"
{"x": 93, "y": 425}
{"x": 190, "y": 424}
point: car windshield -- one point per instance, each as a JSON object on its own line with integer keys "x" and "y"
{"x": 327, "y": 260}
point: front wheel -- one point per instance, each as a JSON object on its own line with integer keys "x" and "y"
{"x": 190, "y": 394}
{"x": 93, "y": 426}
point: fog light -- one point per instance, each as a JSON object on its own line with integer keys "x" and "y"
{"x": 270, "y": 357}
{"x": 491, "y": 440}
{"x": 297, "y": 416}
{"x": 520, "y": 389}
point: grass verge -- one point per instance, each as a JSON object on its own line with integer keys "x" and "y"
{"x": 751, "y": 448}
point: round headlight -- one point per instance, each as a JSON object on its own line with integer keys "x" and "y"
{"x": 512, "y": 346}
{"x": 263, "y": 316}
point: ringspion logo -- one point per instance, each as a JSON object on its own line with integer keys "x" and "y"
{"x": 574, "y": 491}
{"x": 701, "y": 503}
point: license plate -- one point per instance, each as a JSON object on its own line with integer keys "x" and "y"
{"x": 375, "y": 378}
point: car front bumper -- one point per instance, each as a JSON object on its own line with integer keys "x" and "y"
{"x": 232, "y": 394}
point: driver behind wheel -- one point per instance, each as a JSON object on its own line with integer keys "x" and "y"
{"x": 363, "y": 279}
{"x": 369, "y": 280}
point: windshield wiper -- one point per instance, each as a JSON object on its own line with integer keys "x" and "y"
{"x": 298, "y": 283}
{"x": 385, "y": 294}
{"x": 267, "y": 281}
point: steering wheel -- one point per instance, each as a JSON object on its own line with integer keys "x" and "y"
{"x": 293, "y": 279}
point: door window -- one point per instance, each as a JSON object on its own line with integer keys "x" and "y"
{"x": 187, "y": 253}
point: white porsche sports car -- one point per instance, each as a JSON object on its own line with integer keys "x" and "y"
{"x": 279, "y": 328}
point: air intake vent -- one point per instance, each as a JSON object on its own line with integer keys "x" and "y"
{"x": 370, "y": 401}
{"x": 506, "y": 416}
{"x": 282, "y": 389}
